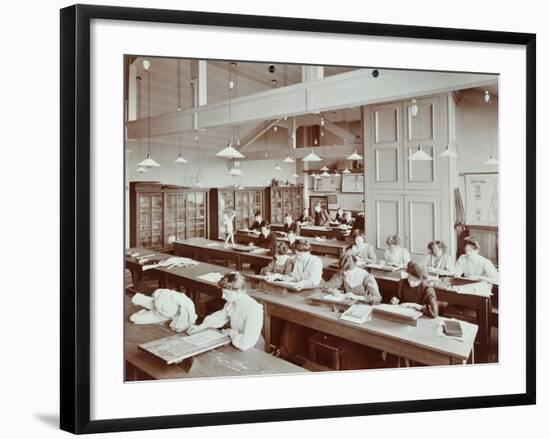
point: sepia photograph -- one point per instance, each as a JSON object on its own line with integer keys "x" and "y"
{"x": 306, "y": 219}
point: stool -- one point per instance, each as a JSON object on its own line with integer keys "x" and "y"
{"x": 327, "y": 350}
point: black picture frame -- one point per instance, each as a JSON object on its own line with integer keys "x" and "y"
{"x": 75, "y": 216}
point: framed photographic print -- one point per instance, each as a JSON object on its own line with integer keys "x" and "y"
{"x": 193, "y": 263}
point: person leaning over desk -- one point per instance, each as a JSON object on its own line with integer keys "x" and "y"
{"x": 395, "y": 254}
{"x": 308, "y": 269}
{"x": 291, "y": 226}
{"x": 244, "y": 315}
{"x": 356, "y": 282}
{"x": 282, "y": 262}
{"x": 415, "y": 293}
{"x": 362, "y": 249}
{"x": 258, "y": 221}
{"x": 438, "y": 258}
{"x": 267, "y": 238}
{"x": 473, "y": 265}
{"x": 305, "y": 218}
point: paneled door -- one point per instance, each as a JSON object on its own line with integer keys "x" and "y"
{"x": 385, "y": 147}
{"x": 387, "y": 218}
{"x": 421, "y": 130}
{"x": 423, "y": 223}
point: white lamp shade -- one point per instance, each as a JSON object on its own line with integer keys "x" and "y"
{"x": 235, "y": 172}
{"x": 295, "y": 175}
{"x": 317, "y": 177}
{"x": 325, "y": 174}
{"x": 311, "y": 157}
{"x": 324, "y": 169}
{"x": 420, "y": 156}
{"x": 229, "y": 153}
{"x": 346, "y": 171}
{"x": 492, "y": 161}
{"x": 336, "y": 173}
{"x": 277, "y": 167}
{"x": 414, "y": 108}
{"x": 268, "y": 182}
{"x": 141, "y": 169}
{"x": 198, "y": 184}
{"x": 449, "y": 153}
{"x": 146, "y": 64}
{"x": 354, "y": 156}
{"x": 288, "y": 159}
{"x": 149, "y": 162}
{"x": 180, "y": 159}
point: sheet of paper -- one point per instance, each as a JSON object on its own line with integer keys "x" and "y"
{"x": 334, "y": 297}
{"x": 213, "y": 277}
{"x": 213, "y": 244}
{"x": 477, "y": 288}
{"x": 205, "y": 337}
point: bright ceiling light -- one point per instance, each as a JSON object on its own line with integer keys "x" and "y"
{"x": 311, "y": 157}
{"x": 346, "y": 171}
{"x": 414, "y": 108}
{"x": 149, "y": 162}
{"x": 277, "y": 167}
{"x": 295, "y": 175}
{"x": 288, "y": 159}
{"x": 180, "y": 159}
{"x": 448, "y": 152}
{"x": 324, "y": 169}
{"x": 229, "y": 153}
{"x": 141, "y": 170}
{"x": 325, "y": 174}
{"x": 420, "y": 155}
{"x": 354, "y": 156}
{"x": 491, "y": 161}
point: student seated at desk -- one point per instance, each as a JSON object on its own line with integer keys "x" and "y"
{"x": 291, "y": 226}
{"x": 473, "y": 265}
{"x": 395, "y": 254}
{"x": 359, "y": 223}
{"x": 305, "y": 218}
{"x": 308, "y": 269}
{"x": 414, "y": 293}
{"x": 347, "y": 220}
{"x": 320, "y": 216}
{"x": 339, "y": 215}
{"x": 438, "y": 258}
{"x": 244, "y": 315}
{"x": 267, "y": 238}
{"x": 258, "y": 221}
{"x": 356, "y": 282}
{"x": 282, "y": 262}
{"x": 362, "y": 250}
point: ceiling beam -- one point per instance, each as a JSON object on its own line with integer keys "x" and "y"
{"x": 257, "y": 133}
{"x": 349, "y": 89}
{"x": 343, "y": 134}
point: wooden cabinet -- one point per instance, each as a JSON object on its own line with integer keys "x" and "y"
{"x": 281, "y": 200}
{"x": 160, "y": 214}
{"x": 245, "y": 202}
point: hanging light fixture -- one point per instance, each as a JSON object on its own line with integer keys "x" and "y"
{"x": 229, "y": 152}
{"x": 354, "y": 156}
{"x": 277, "y": 167}
{"x": 288, "y": 159}
{"x": 180, "y": 158}
{"x": 492, "y": 161}
{"x": 448, "y": 152}
{"x": 420, "y": 155}
{"x": 346, "y": 171}
{"x": 197, "y": 182}
{"x": 312, "y": 157}
{"x": 325, "y": 174}
{"x": 295, "y": 176}
{"x": 414, "y": 108}
{"x": 324, "y": 169}
{"x": 336, "y": 173}
{"x": 148, "y": 162}
{"x": 178, "y": 82}
{"x": 140, "y": 169}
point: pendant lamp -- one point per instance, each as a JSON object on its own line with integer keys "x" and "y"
{"x": 148, "y": 162}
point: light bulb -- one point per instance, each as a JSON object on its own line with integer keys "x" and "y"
{"x": 322, "y": 121}
{"x": 146, "y": 64}
{"x": 487, "y": 96}
{"x": 414, "y": 108}
{"x": 275, "y": 128}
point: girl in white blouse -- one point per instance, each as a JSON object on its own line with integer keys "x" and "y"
{"x": 437, "y": 257}
{"x": 243, "y": 313}
{"x": 473, "y": 265}
{"x": 395, "y": 254}
{"x": 362, "y": 249}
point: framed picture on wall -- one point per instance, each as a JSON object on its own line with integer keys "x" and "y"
{"x": 158, "y": 316}
{"x": 482, "y": 199}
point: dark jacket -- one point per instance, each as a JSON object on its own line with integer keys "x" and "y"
{"x": 422, "y": 294}
{"x": 321, "y": 218}
{"x": 305, "y": 219}
{"x": 269, "y": 241}
{"x": 294, "y": 227}
{"x": 256, "y": 225}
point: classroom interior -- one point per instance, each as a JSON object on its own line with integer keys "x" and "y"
{"x": 229, "y": 164}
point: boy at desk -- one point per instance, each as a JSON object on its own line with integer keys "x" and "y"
{"x": 356, "y": 282}
{"x": 473, "y": 265}
{"x": 244, "y": 315}
{"x": 290, "y": 226}
{"x": 308, "y": 269}
{"x": 415, "y": 293}
{"x": 282, "y": 262}
{"x": 258, "y": 221}
{"x": 267, "y": 238}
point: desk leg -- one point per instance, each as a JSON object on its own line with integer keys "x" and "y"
{"x": 483, "y": 321}
{"x": 267, "y": 330}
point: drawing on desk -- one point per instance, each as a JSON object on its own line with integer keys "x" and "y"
{"x": 476, "y": 288}
{"x": 358, "y": 313}
{"x": 213, "y": 277}
{"x": 397, "y": 313}
{"x": 176, "y": 348}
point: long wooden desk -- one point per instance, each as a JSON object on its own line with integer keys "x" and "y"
{"x": 418, "y": 343}
{"x": 224, "y": 361}
{"x": 313, "y": 231}
{"x": 319, "y": 246}
{"x": 202, "y": 249}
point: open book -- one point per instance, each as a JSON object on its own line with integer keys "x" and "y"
{"x": 358, "y": 313}
{"x": 397, "y": 313}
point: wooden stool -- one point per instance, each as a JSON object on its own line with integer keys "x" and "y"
{"x": 327, "y": 350}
